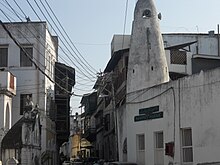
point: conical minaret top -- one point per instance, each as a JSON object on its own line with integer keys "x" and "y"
{"x": 147, "y": 62}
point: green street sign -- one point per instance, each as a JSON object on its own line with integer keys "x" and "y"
{"x": 140, "y": 118}
{"x": 148, "y": 117}
{"x": 149, "y": 110}
{"x": 148, "y": 114}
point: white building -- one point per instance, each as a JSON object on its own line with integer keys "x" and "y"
{"x": 7, "y": 92}
{"x": 173, "y": 122}
{"x": 34, "y": 54}
{"x": 186, "y": 54}
{"x": 176, "y": 122}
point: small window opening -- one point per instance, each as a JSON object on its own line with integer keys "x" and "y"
{"x": 146, "y": 13}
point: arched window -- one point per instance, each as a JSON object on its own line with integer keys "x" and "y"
{"x": 7, "y": 117}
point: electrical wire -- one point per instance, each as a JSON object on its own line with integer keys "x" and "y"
{"x": 60, "y": 39}
{"x": 33, "y": 10}
{"x": 63, "y": 37}
{"x": 36, "y": 50}
{"x": 125, "y": 20}
{"x": 67, "y": 34}
{"x": 20, "y": 18}
{"x": 29, "y": 57}
{"x": 20, "y": 9}
{"x": 35, "y": 37}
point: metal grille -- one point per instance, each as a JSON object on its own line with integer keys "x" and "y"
{"x": 178, "y": 57}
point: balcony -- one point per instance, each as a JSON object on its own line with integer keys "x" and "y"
{"x": 7, "y": 83}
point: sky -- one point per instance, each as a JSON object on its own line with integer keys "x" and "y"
{"x": 91, "y": 25}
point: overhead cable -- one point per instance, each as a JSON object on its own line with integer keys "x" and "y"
{"x": 64, "y": 39}
{"x": 67, "y": 34}
{"x": 29, "y": 29}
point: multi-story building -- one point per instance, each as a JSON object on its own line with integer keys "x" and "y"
{"x": 65, "y": 80}
{"x": 186, "y": 54}
{"x": 111, "y": 89}
{"x": 88, "y": 136}
{"x": 29, "y": 52}
{"x": 22, "y": 143}
{"x": 171, "y": 121}
{"x": 75, "y": 135}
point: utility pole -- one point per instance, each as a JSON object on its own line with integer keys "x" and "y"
{"x": 115, "y": 116}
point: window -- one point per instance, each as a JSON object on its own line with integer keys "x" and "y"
{"x": 107, "y": 122}
{"x": 178, "y": 57}
{"x": 141, "y": 149}
{"x": 159, "y": 148}
{"x": 25, "y": 55}
{"x": 7, "y": 118}
{"x": 187, "y": 150}
{"x": 3, "y": 56}
{"x": 23, "y": 101}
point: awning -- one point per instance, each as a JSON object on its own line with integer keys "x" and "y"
{"x": 12, "y": 139}
{"x": 180, "y": 46}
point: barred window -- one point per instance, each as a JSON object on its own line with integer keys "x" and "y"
{"x": 178, "y": 57}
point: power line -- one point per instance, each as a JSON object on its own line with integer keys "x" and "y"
{"x": 20, "y": 8}
{"x": 23, "y": 13}
{"x": 125, "y": 20}
{"x": 32, "y": 33}
{"x": 34, "y": 10}
{"x": 36, "y": 48}
{"x": 38, "y": 39}
{"x": 29, "y": 57}
{"x": 12, "y": 9}
{"x": 67, "y": 34}
{"x": 61, "y": 39}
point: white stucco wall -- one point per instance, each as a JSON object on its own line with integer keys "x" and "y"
{"x": 207, "y": 44}
{"x": 4, "y": 100}
{"x": 122, "y": 131}
{"x": 186, "y": 69}
{"x": 29, "y": 79}
{"x": 190, "y": 102}
{"x": 120, "y": 42}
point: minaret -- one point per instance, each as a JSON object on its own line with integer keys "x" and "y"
{"x": 147, "y": 62}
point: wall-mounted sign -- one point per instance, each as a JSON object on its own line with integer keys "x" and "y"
{"x": 149, "y": 110}
{"x": 148, "y": 114}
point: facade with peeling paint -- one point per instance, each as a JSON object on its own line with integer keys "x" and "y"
{"x": 41, "y": 47}
{"x": 187, "y": 129}
{"x": 169, "y": 122}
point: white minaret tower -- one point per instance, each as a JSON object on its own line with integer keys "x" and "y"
{"x": 147, "y": 62}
